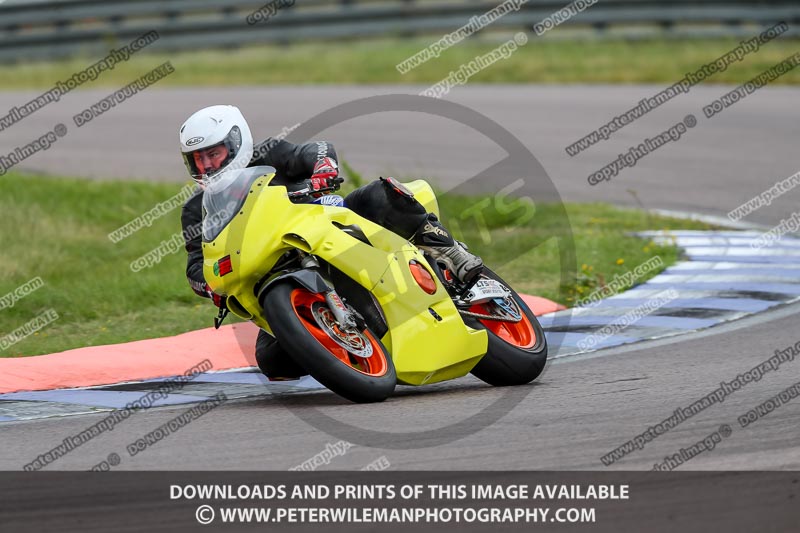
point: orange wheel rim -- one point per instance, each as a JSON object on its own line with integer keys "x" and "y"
{"x": 375, "y": 365}
{"x": 520, "y": 334}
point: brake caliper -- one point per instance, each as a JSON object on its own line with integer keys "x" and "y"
{"x": 343, "y": 316}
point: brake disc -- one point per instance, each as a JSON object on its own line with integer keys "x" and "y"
{"x": 353, "y": 341}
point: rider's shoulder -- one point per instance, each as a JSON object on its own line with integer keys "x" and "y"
{"x": 194, "y": 200}
{"x": 268, "y": 145}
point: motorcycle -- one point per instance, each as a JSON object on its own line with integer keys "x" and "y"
{"x": 359, "y": 307}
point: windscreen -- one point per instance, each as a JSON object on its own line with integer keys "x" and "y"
{"x": 225, "y": 195}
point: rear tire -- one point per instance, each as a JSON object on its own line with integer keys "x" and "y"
{"x": 516, "y": 354}
{"x": 290, "y": 311}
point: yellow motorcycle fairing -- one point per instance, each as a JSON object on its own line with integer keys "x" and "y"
{"x": 426, "y": 336}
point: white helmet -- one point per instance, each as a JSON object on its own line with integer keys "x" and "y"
{"x": 218, "y": 125}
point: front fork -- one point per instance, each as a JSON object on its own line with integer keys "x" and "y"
{"x": 346, "y": 317}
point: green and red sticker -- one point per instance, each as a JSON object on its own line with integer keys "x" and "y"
{"x": 223, "y": 266}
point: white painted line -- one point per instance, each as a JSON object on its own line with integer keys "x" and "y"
{"x": 715, "y": 265}
{"x": 705, "y": 278}
{"x": 744, "y": 252}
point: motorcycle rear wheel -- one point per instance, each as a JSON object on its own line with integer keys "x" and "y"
{"x": 517, "y": 352}
{"x": 303, "y": 325}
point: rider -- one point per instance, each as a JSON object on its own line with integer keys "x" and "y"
{"x": 217, "y": 138}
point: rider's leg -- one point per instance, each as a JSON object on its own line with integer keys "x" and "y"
{"x": 273, "y": 360}
{"x": 435, "y": 239}
{"x": 389, "y": 204}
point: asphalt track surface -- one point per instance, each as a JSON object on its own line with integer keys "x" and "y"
{"x": 719, "y": 164}
{"x": 581, "y": 408}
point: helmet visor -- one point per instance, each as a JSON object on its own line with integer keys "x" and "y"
{"x": 205, "y": 163}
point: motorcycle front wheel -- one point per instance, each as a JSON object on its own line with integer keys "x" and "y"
{"x": 353, "y": 364}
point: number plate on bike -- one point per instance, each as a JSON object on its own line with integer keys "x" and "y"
{"x": 485, "y": 290}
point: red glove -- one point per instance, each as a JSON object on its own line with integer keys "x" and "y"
{"x": 219, "y": 301}
{"x": 324, "y": 173}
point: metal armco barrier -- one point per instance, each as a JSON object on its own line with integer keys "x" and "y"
{"x": 46, "y": 29}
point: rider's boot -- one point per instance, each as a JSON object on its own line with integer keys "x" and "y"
{"x": 434, "y": 238}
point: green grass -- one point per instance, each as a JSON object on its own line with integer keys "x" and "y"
{"x": 57, "y": 229}
{"x": 542, "y": 60}
{"x": 535, "y": 255}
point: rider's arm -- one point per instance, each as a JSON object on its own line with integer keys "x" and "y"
{"x": 191, "y": 221}
{"x": 293, "y": 162}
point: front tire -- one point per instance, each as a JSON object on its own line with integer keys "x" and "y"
{"x": 517, "y": 352}
{"x": 301, "y": 322}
